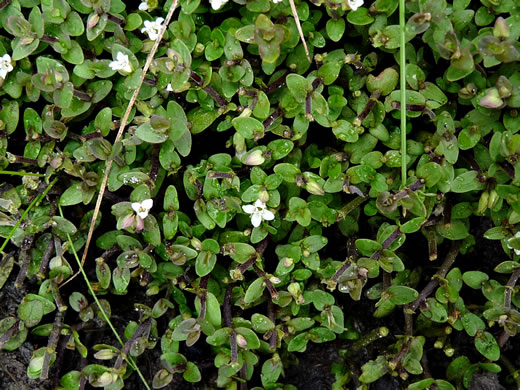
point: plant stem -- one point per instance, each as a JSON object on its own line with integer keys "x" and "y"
{"x": 9, "y": 333}
{"x": 81, "y": 95}
{"x": 402, "y": 68}
{"x": 229, "y": 322}
{"x": 203, "y": 295}
{"x": 274, "y": 336}
{"x": 431, "y": 237}
{"x": 142, "y": 329}
{"x": 271, "y": 118}
{"x": 441, "y": 273}
{"x": 49, "y": 39}
{"x": 368, "y": 108}
{"x": 349, "y": 207}
{"x": 366, "y": 340}
{"x": 513, "y": 371}
{"x": 14, "y": 173}
{"x": 279, "y": 82}
{"x": 268, "y": 284}
{"x": 57, "y": 297}
{"x": 53, "y": 342}
{"x": 25, "y": 259}
{"x": 210, "y": 91}
{"x": 509, "y": 288}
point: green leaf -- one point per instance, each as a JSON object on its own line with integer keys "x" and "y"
{"x": 248, "y": 127}
{"x": 368, "y": 247}
{"x": 298, "y": 86}
{"x": 401, "y": 295}
{"x": 192, "y": 373}
{"x": 466, "y": 182}
{"x": 373, "y": 370}
{"x": 205, "y": 263}
{"x": 360, "y": 17}
{"x": 255, "y": 290}
{"x": 335, "y": 29}
{"x": 487, "y": 346}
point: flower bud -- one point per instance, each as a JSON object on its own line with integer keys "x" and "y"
{"x": 501, "y": 28}
{"x": 241, "y": 341}
{"x": 263, "y": 196}
{"x": 255, "y": 158}
{"x": 314, "y": 188}
{"x": 483, "y": 203}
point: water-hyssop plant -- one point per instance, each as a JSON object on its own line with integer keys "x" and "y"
{"x": 257, "y": 194}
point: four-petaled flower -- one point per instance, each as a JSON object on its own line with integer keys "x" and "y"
{"x": 122, "y": 63}
{"x": 144, "y": 6}
{"x": 169, "y": 87}
{"x": 517, "y": 251}
{"x": 152, "y": 28}
{"x": 142, "y": 208}
{"x": 277, "y": 1}
{"x": 5, "y": 65}
{"x": 355, "y": 4}
{"x": 217, "y": 4}
{"x": 258, "y": 212}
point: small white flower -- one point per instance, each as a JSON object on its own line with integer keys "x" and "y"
{"x": 169, "y": 87}
{"x": 5, "y": 65}
{"x": 217, "y": 4}
{"x": 277, "y": 1}
{"x": 144, "y": 6}
{"x": 517, "y": 235}
{"x": 355, "y": 4}
{"x": 258, "y": 212}
{"x": 142, "y": 208}
{"x": 122, "y": 63}
{"x": 152, "y": 28}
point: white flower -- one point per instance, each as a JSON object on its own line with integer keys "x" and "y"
{"x": 216, "y": 4}
{"x": 355, "y": 4}
{"x": 517, "y": 235}
{"x": 277, "y": 1}
{"x": 142, "y": 208}
{"x": 169, "y": 87}
{"x": 5, "y": 65}
{"x": 122, "y": 63}
{"x": 152, "y": 28}
{"x": 144, "y": 6}
{"x": 258, "y": 212}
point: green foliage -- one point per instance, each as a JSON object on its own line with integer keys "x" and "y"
{"x": 253, "y": 186}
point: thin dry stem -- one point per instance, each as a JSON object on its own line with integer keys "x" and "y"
{"x": 299, "y": 26}
{"x": 119, "y": 135}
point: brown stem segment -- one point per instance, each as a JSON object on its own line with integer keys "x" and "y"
{"x": 274, "y": 337}
{"x": 10, "y": 333}
{"x": 203, "y": 295}
{"x": 509, "y": 288}
{"x": 49, "y": 39}
{"x": 368, "y": 108}
{"x": 51, "y": 345}
{"x": 441, "y": 273}
{"x": 210, "y": 91}
{"x": 279, "y": 82}
{"x": 57, "y": 297}
{"x": 229, "y": 322}
{"x": 268, "y": 284}
{"x": 271, "y": 118}
{"x": 431, "y": 237}
{"x": 81, "y": 95}
{"x": 142, "y": 329}
{"x": 25, "y": 259}
{"x": 340, "y": 271}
